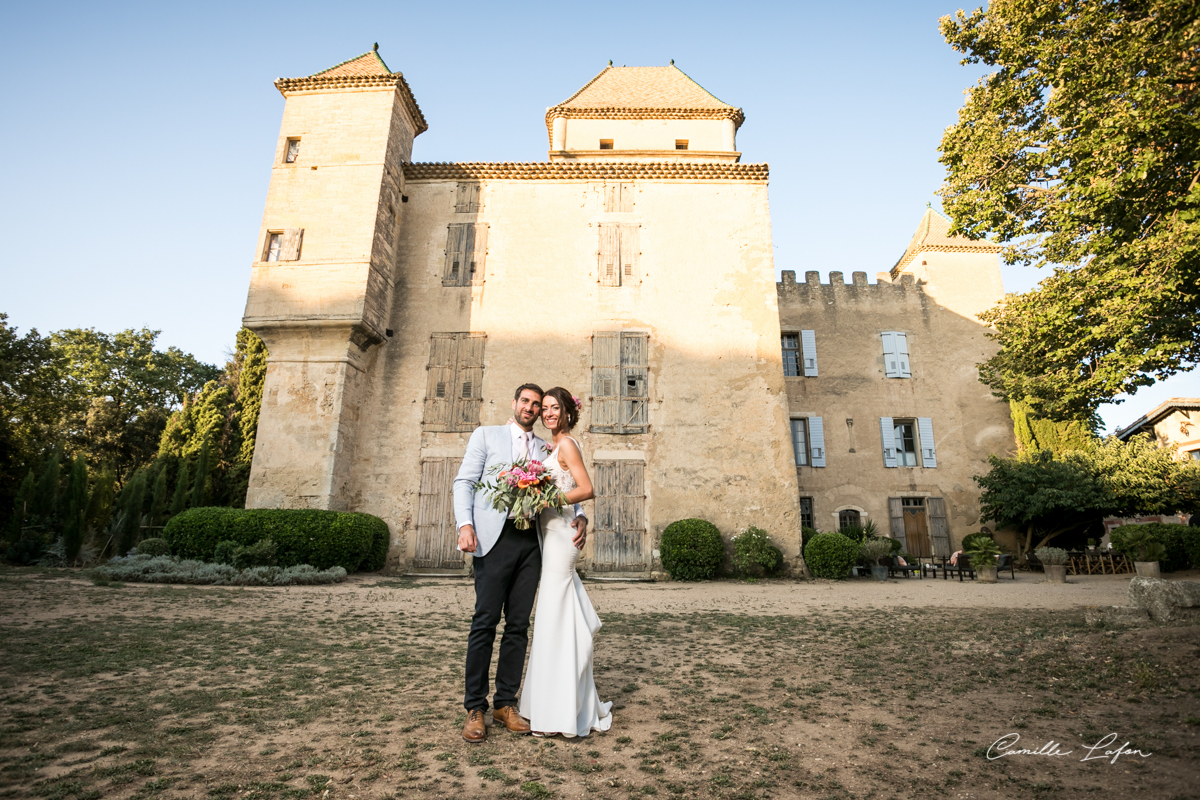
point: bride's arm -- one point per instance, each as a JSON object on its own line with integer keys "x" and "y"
{"x": 570, "y": 457}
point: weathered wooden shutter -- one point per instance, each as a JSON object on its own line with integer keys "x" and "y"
{"x": 620, "y": 525}
{"x": 629, "y": 255}
{"x": 467, "y": 197}
{"x": 635, "y": 416}
{"x": 618, "y": 197}
{"x": 896, "y": 513}
{"x": 440, "y": 384}
{"x": 632, "y": 533}
{"x": 609, "y": 260}
{"x": 887, "y": 433}
{"x": 928, "y": 450}
{"x": 891, "y": 366}
{"x": 289, "y": 248}
{"x": 808, "y": 345}
{"x": 800, "y": 442}
{"x": 437, "y": 534}
{"x": 902, "y": 355}
{"x": 456, "y": 252}
{"x": 606, "y": 376}
{"x": 608, "y": 513}
{"x": 816, "y": 440}
{"x": 468, "y": 394}
{"x": 478, "y": 253}
{"x": 940, "y": 530}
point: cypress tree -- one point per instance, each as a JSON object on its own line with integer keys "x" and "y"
{"x": 75, "y": 505}
{"x": 182, "y": 485}
{"x": 200, "y": 489}
{"x": 21, "y": 507}
{"x": 158, "y": 502}
{"x": 133, "y": 498}
{"x": 45, "y": 495}
{"x": 100, "y": 504}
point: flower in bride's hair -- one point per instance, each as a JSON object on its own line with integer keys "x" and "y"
{"x": 578, "y": 402}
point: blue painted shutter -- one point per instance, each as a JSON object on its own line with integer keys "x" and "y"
{"x": 887, "y": 433}
{"x": 816, "y": 436}
{"x": 808, "y": 345}
{"x": 925, "y": 432}
{"x": 891, "y": 366}
{"x": 902, "y": 355}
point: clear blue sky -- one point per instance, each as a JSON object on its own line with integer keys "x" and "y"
{"x": 139, "y": 137}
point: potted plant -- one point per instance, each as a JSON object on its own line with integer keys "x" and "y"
{"x": 983, "y": 552}
{"x": 1092, "y": 545}
{"x": 878, "y": 553}
{"x": 1139, "y": 543}
{"x": 1054, "y": 563}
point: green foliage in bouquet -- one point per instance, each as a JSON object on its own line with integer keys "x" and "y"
{"x": 524, "y": 488}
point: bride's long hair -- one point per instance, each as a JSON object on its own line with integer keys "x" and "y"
{"x": 570, "y": 409}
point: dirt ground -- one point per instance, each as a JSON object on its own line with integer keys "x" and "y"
{"x": 721, "y": 690}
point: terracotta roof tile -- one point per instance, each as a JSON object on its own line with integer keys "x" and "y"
{"x": 369, "y": 63}
{"x": 586, "y": 170}
{"x": 933, "y": 235}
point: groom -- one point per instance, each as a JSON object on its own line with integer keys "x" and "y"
{"x": 508, "y": 563}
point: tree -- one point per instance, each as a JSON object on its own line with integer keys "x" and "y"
{"x": 133, "y": 500}
{"x": 1081, "y": 150}
{"x": 75, "y": 507}
{"x": 251, "y": 380}
{"x": 1034, "y": 434}
{"x": 31, "y": 399}
{"x": 182, "y": 486}
{"x": 158, "y": 502}
{"x": 46, "y": 493}
{"x": 200, "y": 489}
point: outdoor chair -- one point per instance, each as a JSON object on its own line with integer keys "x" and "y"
{"x": 963, "y": 567}
{"x": 1006, "y": 563}
{"x": 907, "y": 569}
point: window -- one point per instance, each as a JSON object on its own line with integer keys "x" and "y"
{"x": 293, "y": 151}
{"x": 620, "y": 374}
{"x": 466, "y": 252}
{"x": 437, "y": 535}
{"x": 467, "y": 198}
{"x": 895, "y": 355}
{"x": 618, "y": 254}
{"x": 606, "y": 144}
{"x": 284, "y": 245}
{"x": 1194, "y": 455}
{"x": 618, "y": 197}
{"x": 791, "y": 355}
{"x": 619, "y": 540}
{"x": 902, "y": 438}
{"x": 849, "y": 519}
{"x": 807, "y": 518}
{"x": 808, "y": 441}
{"x": 681, "y": 144}
{"x": 453, "y": 393}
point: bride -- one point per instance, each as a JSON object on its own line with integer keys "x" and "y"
{"x": 560, "y": 694}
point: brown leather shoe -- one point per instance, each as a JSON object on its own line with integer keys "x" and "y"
{"x": 509, "y": 718}
{"x": 475, "y": 730}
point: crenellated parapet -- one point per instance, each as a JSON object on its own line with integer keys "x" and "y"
{"x": 904, "y": 289}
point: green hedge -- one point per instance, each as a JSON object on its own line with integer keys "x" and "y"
{"x": 831, "y": 555}
{"x": 1191, "y": 543}
{"x": 1168, "y": 535}
{"x": 322, "y": 539}
{"x": 692, "y": 550}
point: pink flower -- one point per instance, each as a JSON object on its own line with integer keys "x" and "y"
{"x": 578, "y": 402}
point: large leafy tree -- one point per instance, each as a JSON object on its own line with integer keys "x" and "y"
{"x": 1080, "y": 151}
{"x": 31, "y": 403}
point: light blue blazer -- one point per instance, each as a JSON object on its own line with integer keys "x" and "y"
{"x": 489, "y": 445}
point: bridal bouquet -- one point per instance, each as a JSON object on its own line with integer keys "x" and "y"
{"x": 524, "y": 488}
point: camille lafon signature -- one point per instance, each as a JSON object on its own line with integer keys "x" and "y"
{"x": 1006, "y": 745}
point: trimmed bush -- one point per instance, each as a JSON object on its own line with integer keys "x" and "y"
{"x": 223, "y": 552}
{"x": 1191, "y": 544}
{"x": 382, "y": 537}
{"x": 831, "y": 555}
{"x": 805, "y": 535}
{"x": 1170, "y": 536}
{"x": 259, "y": 554}
{"x": 754, "y": 554}
{"x": 321, "y": 538}
{"x": 167, "y": 569}
{"x": 692, "y": 550}
{"x": 154, "y": 546}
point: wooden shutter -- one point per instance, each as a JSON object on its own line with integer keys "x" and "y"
{"x": 629, "y": 255}
{"x": 816, "y": 440}
{"x": 800, "y": 442}
{"x": 289, "y": 248}
{"x": 896, "y": 513}
{"x": 887, "y": 433}
{"x": 618, "y": 197}
{"x": 608, "y": 513}
{"x": 468, "y": 383}
{"x": 437, "y": 535}
{"x": 902, "y": 356}
{"x": 891, "y": 366}
{"x": 635, "y": 417}
{"x": 939, "y": 528}
{"x": 808, "y": 345}
{"x": 478, "y": 254}
{"x": 456, "y": 251}
{"x": 632, "y": 533}
{"x": 440, "y": 383}
{"x": 928, "y": 450}
{"x": 606, "y": 376}
{"x": 609, "y": 255}
{"x": 466, "y": 199}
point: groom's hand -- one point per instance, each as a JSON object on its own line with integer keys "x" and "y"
{"x": 466, "y": 539}
{"x": 580, "y": 525}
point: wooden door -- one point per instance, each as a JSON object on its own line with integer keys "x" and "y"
{"x": 619, "y": 541}
{"x": 916, "y": 532}
{"x": 437, "y": 535}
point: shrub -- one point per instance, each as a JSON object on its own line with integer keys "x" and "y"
{"x": 873, "y": 550}
{"x": 805, "y": 535}
{"x": 692, "y": 550}
{"x": 223, "y": 552}
{"x": 855, "y": 533}
{"x": 1130, "y": 539}
{"x": 154, "y": 546}
{"x": 259, "y": 554}
{"x": 830, "y": 555}
{"x": 381, "y": 538}
{"x": 982, "y": 550}
{"x": 168, "y": 569}
{"x": 969, "y": 540}
{"x": 1051, "y": 556}
{"x": 754, "y": 553}
{"x": 1190, "y": 535}
{"x": 321, "y": 538}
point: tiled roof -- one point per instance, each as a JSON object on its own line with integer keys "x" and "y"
{"x": 361, "y": 72}
{"x": 642, "y": 93}
{"x": 586, "y": 171}
{"x": 933, "y": 235}
{"x": 1161, "y": 411}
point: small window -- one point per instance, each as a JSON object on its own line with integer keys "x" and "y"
{"x": 791, "y": 355}
{"x": 274, "y": 245}
{"x": 681, "y": 144}
{"x": 606, "y": 144}
{"x": 1194, "y": 455}
{"x": 807, "y": 519}
{"x": 293, "y": 151}
{"x": 849, "y": 519}
{"x": 906, "y": 443}
{"x": 800, "y": 441}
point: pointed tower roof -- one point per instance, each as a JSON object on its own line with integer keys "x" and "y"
{"x": 642, "y": 93}
{"x": 933, "y": 235}
{"x": 367, "y": 71}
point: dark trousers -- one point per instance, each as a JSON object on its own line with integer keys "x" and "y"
{"x": 506, "y": 580}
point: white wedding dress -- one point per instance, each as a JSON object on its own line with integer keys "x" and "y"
{"x": 559, "y": 695}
